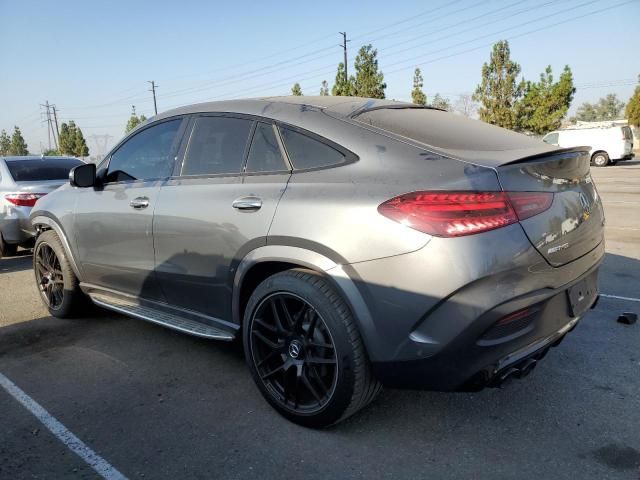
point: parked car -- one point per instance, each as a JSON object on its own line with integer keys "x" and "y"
{"x": 23, "y": 180}
{"x": 607, "y": 144}
{"x": 351, "y": 243}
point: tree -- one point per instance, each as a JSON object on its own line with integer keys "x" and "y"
{"x": 586, "y": 112}
{"x": 465, "y": 105}
{"x": 417, "y": 95}
{"x": 296, "y": 90}
{"x": 343, "y": 86}
{"x": 80, "y": 145}
{"x": 51, "y": 152}
{"x": 546, "y": 103}
{"x": 441, "y": 102}
{"x": 5, "y": 143}
{"x": 324, "y": 89}
{"x": 499, "y": 89}
{"x": 369, "y": 80}
{"x": 610, "y": 108}
{"x": 18, "y": 145}
{"x": 65, "y": 142}
{"x": 607, "y": 108}
{"x": 134, "y": 120}
{"x": 71, "y": 140}
{"x": 632, "y": 111}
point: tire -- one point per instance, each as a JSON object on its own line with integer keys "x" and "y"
{"x": 57, "y": 283}
{"x": 600, "y": 159}
{"x": 327, "y": 376}
{"x": 7, "y": 249}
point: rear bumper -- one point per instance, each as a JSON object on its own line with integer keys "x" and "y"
{"x": 471, "y": 362}
{"x": 16, "y": 226}
{"x": 628, "y": 156}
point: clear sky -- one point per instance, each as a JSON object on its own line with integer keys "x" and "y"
{"x": 93, "y": 59}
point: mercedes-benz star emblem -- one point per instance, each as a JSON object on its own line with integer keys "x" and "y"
{"x": 294, "y": 349}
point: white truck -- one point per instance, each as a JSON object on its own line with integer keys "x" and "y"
{"x": 608, "y": 144}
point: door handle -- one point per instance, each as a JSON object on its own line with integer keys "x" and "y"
{"x": 247, "y": 204}
{"x": 139, "y": 203}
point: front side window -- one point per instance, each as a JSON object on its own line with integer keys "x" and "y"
{"x": 217, "y": 146}
{"x": 551, "y": 139}
{"x": 264, "y": 155}
{"x": 148, "y": 154}
{"x": 306, "y": 152}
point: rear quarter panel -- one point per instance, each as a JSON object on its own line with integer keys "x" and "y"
{"x": 334, "y": 211}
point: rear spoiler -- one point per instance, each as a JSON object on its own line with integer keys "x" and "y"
{"x": 569, "y": 152}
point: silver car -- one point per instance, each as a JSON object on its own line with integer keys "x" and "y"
{"x": 350, "y": 243}
{"x": 23, "y": 180}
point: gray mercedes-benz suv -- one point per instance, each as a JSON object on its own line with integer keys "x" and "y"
{"x": 351, "y": 243}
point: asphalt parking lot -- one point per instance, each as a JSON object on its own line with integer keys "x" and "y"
{"x": 157, "y": 404}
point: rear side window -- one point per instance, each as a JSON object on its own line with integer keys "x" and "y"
{"x": 41, "y": 169}
{"x": 626, "y": 133}
{"x": 217, "y": 146}
{"x": 306, "y": 152}
{"x": 264, "y": 155}
{"x": 148, "y": 154}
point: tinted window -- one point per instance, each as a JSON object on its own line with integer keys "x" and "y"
{"x": 41, "y": 169}
{"x": 551, "y": 139}
{"x": 264, "y": 155}
{"x": 148, "y": 154}
{"x": 626, "y": 133}
{"x": 216, "y": 146}
{"x": 306, "y": 152}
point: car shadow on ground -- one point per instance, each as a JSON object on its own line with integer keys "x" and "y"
{"x": 131, "y": 386}
{"x": 17, "y": 263}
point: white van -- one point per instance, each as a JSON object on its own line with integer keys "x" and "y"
{"x": 608, "y": 144}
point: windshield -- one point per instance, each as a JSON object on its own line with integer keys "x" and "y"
{"x": 41, "y": 169}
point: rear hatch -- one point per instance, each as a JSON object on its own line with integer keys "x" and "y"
{"x": 573, "y": 224}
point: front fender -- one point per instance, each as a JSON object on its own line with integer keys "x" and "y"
{"x": 50, "y": 223}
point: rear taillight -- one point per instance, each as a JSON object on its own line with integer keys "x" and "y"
{"x": 454, "y": 214}
{"x": 24, "y": 199}
{"x": 528, "y": 204}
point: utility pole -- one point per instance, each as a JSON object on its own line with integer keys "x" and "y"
{"x": 344, "y": 47}
{"x": 55, "y": 117}
{"x": 49, "y": 124}
{"x": 153, "y": 90}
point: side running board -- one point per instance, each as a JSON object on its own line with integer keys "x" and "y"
{"x": 169, "y": 320}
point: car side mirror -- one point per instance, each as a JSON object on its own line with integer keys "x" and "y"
{"x": 83, "y": 176}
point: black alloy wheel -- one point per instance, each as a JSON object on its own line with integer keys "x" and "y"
{"x": 49, "y": 276}
{"x": 293, "y": 353}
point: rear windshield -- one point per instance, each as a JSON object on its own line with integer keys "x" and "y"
{"x": 444, "y": 130}
{"x": 41, "y": 169}
{"x": 626, "y": 133}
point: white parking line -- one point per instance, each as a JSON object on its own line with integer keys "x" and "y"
{"x": 630, "y": 299}
{"x": 95, "y": 461}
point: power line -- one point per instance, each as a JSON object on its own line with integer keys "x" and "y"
{"x": 270, "y": 69}
{"x": 276, "y": 67}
